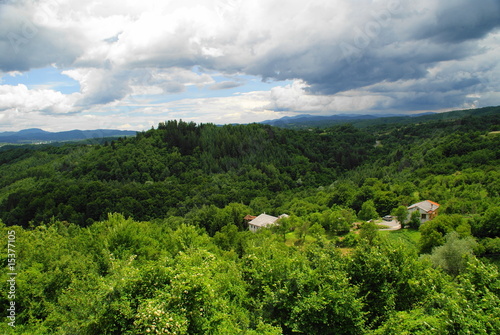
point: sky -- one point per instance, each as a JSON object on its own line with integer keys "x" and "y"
{"x": 127, "y": 64}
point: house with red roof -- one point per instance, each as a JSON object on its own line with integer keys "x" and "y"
{"x": 428, "y": 210}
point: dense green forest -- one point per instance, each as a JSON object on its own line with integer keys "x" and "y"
{"x": 146, "y": 234}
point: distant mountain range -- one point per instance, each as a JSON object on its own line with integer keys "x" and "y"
{"x": 35, "y": 135}
{"x": 320, "y": 120}
{"x": 302, "y": 121}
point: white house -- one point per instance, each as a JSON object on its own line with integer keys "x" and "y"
{"x": 427, "y": 209}
{"x": 263, "y": 220}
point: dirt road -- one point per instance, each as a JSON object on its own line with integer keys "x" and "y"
{"x": 393, "y": 225}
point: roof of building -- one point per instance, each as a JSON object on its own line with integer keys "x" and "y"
{"x": 263, "y": 220}
{"x": 249, "y": 217}
{"x": 426, "y": 205}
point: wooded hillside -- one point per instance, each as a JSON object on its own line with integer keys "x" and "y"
{"x": 146, "y": 234}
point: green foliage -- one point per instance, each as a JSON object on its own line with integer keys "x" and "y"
{"x": 414, "y": 322}
{"x": 489, "y": 225}
{"x": 434, "y": 231}
{"x": 284, "y": 225}
{"x": 301, "y": 229}
{"x": 317, "y": 231}
{"x": 104, "y": 279}
{"x": 369, "y": 232}
{"x": 414, "y": 222}
{"x": 390, "y": 278}
{"x": 368, "y": 211}
{"x": 337, "y": 220}
{"x": 173, "y": 169}
{"x": 491, "y": 245}
{"x": 304, "y": 295}
{"x": 401, "y": 214}
{"x": 202, "y": 297}
{"x": 473, "y": 308}
{"x": 452, "y": 256}
{"x": 384, "y": 201}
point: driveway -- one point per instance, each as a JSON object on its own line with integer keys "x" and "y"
{"x": 393, "y": 225}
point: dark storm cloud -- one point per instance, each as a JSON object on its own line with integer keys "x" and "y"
{"x": 395, "y": 53}
{"x": 461, "y": 20}
{"x": 394, "y": 47}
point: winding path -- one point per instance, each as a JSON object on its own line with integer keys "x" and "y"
{"x": 393, "y": 225}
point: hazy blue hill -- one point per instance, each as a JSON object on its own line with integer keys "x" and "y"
{"x": 436, "y": 117}
{"x": 35, "y": 135}
{"x": 31, "y": 131}
{"x": 306, "y": 120}
{"x": 361, "y": 121}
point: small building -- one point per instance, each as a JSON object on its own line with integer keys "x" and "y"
{"x": 249, "y": 218}
{"x": 428, "y": 210}
{"x": 263, "y": 220}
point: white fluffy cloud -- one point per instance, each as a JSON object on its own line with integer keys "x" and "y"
{"x": 342, "y": 55}
{"x": 22, "y": 99}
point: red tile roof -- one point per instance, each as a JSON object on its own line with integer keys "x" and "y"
{"x": 434, "y": 203}
{"x": 426, "y": 205}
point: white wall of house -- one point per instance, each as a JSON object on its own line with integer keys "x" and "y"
{"x": 424, "y": 216}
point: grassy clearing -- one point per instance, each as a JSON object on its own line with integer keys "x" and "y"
{"x": 292, "y": 239}
{"x": 406, "y": 236}
{"x": 409, "y": 236}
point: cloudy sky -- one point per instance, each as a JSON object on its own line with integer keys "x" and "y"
{"x": 127, "y": 64}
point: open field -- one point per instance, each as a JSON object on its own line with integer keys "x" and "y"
{"x": 403, "y": 235}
